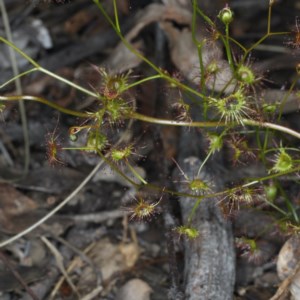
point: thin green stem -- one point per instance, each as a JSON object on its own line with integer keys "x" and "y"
{"x": 129, "y": 86}
{"x": 239, "y": 187}
{"x": 230, "y": 81}
{"x": 205, "y": 17}
{"x": 273, "y": 126}
{"x": 210, "y": 124}
{"x": 122, "y": 38}
{"x": 269, "y": 33}
{"x": 136, "y": 174}
{"x": 286, "y": 96}
{"x": 147, "y": 61}
{"x": 204, "y": 161}
{"x": 48, "y": 103}
{"x": 194, "y": 19}
{"x": 144, "y": 118}
{"x": 272, "y": 176}
{"x": 238, "y": 44}
{"x": 193, "y": 210}
{"x": 260, "y": 41}
{"x": 79, "y": 148}
{"x": 34, "y": 63}
{"x": 284, "y": 213}
{"x": 288, "y": 203}
{"x": 154, "y": 120}
{"x": 285, "y": 148}
{"x": 116, "y": 16}
{"x": 269, "y": 19}
{"x": 264, "y": 146}
{"x": 227, "y": 48}
{"x": 18, "y": 76}
{"x": 202, "y": 70}
{"x": 198, "y": 44}
{"x": 70, "y": 83}
{"x": 19, "y": 89}
{"x": 117, "y": 170}
{"x": 45, "y": 71}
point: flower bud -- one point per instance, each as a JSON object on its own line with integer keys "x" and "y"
{"x": 212, "y": 67}
{"x": 121, "y": 154}
{"x": 215, "y": 142}
{"x": 245, "y": 75}
{"x": 96, "y": 141}
{"x": 226, "y": 15}
{"x": 187, "y": 231}
{"x": 197, "y": 185}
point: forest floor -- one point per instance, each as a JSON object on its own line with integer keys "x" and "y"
{"x": 93, "y": 248}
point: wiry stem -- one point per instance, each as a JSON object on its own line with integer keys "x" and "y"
{"x": 48, "y": 103}
{"x": 210, "y": 124}
{"x": 18, "y": 88}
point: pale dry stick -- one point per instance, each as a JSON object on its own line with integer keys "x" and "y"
{"x": 83, "y": 257}
{"x": 71, "y": 266}
{"x": 100, "y": 216}
{"x": 18, "y": 86}
{"x": 17, "y": 276}
{"x": 6, "y": 155}
{"x": 59, "y": 261}
{"x": 54, "y": 210}
{"x": 249, "y": 122}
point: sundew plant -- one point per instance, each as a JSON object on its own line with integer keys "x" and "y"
{"x": 226, "y": 93}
